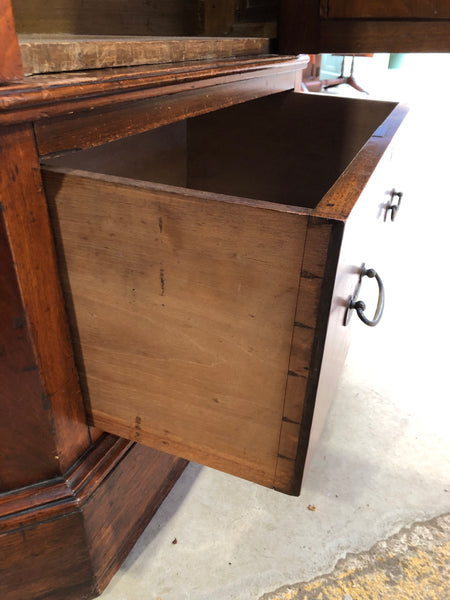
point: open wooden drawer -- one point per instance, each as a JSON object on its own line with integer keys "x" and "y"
{"x": 199, "y": 262}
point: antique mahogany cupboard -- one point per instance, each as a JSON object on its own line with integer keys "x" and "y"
{"x": 181, "y": 236}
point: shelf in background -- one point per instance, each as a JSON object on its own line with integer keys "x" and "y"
{"x": 43, "y": 53}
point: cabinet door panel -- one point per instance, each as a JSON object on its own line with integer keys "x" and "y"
{"x": 395, "y": 9}
{"x": 363, "y": 26}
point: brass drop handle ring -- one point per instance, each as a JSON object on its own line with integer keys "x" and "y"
{"x": 394, "y": 208}
{"x": 360, "y": 306}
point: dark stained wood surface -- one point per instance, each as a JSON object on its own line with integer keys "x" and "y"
{"x": 161, "y": 157}
{"x": 117, "y": 514}
{"x": 61, "y": 495}
{"x": 10, "y": 61}
{"x": 304, "y": 26}
{"x": 46, "y": 54}
{"x": 303, "y": 142}
{"x": 299, "y": 26}
{"x": 340, "y": 199}
{"x": 50, "y": 561}
{"x": 42, "y": 96}
{"x": 88, "y": 129}
{"x": 219, "y": 16}
{"x": 385, "y": 36}
{"x": 26, "y": 222}
{"x": 64, "y": 540}
{"x": 27, "y": 448}
{"x": 395, "y": 9}
{"x": 114, "y": 17}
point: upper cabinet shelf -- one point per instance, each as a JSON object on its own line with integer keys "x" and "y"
{"x": 72, "y": 35}
{"x": 68, "y": 35}
{"x": 56, "y": 53}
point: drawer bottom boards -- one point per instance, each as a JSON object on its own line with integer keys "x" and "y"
{"x": 198, "y": 262}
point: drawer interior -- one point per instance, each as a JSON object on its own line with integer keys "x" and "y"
{"x": 286, "y": 148}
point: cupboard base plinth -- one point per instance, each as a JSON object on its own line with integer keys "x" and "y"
{"x": 64, "y": 539}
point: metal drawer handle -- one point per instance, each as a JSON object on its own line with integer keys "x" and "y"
{"x": 359, "y": 305}
{"x": 394, "y": 208}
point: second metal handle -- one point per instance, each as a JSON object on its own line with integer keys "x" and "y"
{"x": 394, "y": 208}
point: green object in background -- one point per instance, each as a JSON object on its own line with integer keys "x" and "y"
{"x": 395, "y": 61}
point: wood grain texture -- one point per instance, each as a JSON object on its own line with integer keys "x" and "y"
{"x": 92, "y": 128}
{"x": 220, "y": 17}
{"x": 61, "y": 94}
{"x": 221, "y": 152}
{"x": 112, "y": 17}
{"x": 311, "y": 317}
{"x": 385, "y": 36}
{"x": 121, "y": 508}
{"x": 10, "y": 61}
{"x": 65, "y": 539}
{"x": 50, "y": 561}
{"x": 30, "y": 241}
{"x": 185, "y": 329}
{"x": 58, "y": 496}
{"x": 395, "y": 9}
{"x": 341, "y": 198}
{"x": 46, "y": 54}
{"x": 305, "y": 27}
{"x": 321, "y": 261}
{"x": 27, "y": 447}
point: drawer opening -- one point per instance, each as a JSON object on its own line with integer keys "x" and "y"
{"x": 286, "y": 148}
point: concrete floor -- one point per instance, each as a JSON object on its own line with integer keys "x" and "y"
{"x": 383, "y": 460}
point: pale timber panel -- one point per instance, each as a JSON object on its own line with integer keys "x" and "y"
{"x": 53, "y": 54}
{"x": 183, "y": 306}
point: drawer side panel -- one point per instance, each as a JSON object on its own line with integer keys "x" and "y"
{"x": 182, "y": 310}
